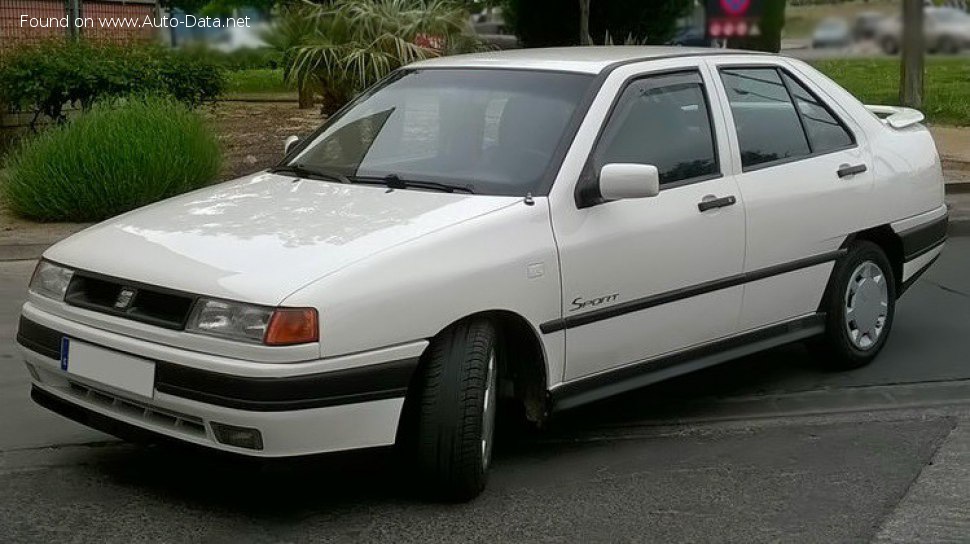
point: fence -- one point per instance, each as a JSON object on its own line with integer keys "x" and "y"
{"x": 14, "y": 32}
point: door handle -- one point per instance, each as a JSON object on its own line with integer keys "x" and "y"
{"x": 710, "y": 202}
{"x": 845, "y": 170}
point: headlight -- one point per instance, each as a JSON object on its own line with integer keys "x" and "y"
{"x": 50, "y": 280}
{"x": 252, "y": 323}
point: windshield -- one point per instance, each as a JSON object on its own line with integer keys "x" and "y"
{"x": 493, "y": 131}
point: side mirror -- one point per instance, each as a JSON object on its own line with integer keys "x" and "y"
{"x": 620, "y": 181}
{"x": 289, "y": 143}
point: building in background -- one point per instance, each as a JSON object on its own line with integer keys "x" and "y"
{"x": 12, "y": 34}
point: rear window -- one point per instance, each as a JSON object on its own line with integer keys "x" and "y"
{"x": 825, "y": 132}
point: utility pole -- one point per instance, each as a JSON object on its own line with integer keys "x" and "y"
{"x": 584, "y": 38}
{"x": 913, "y": 53}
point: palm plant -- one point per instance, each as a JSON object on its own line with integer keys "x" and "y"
{"x": 354, "y": 43}
{"x": 293, "y": 27}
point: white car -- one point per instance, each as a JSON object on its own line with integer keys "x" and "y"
{"x": 531, "y": 229}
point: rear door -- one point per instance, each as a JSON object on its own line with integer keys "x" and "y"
{"x": 805, "y": 179}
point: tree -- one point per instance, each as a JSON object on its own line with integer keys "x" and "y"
{"x": 584, "y": 37}
{"x": 911, "y": 67}
{"x": 772, "y": 23}
{"x": 544, "y": 23}
{"x": 354, "y": 43}
{"x": 293, "y": 27}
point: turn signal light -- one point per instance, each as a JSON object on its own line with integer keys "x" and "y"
{"x": 290, "y": 326}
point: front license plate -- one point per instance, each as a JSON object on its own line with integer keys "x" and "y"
{"x": 112, "y": 368}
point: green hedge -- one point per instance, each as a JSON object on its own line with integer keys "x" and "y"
{"x": 263, "y": 58}
{"x": 43, "y": 79}
{"x": 111, "y": 159}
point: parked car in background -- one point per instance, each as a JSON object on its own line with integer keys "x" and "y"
{"x": 832, "y": 32}
{"x": 866, "y": 25}
{"x": 533, "y": 229}
{"x": 690, "y": 36}
{"x": 947, "y": 31}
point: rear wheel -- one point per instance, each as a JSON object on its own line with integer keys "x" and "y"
{"x": 949, "y": 46}
{"x": 455, "y": 415}
{"x": 860, "y": 308}
{"x": 889, "y": 45}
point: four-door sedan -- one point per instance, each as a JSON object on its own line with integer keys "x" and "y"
{"x": 535, "y": 229}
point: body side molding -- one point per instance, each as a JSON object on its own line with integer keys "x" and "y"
{"x": 644, "y": 303}
{"x": 643, "y": 373}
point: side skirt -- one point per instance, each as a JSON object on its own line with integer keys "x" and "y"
{"x": 643, "y": 373}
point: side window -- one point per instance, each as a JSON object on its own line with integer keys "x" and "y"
{"x": 663, "y": 121}
{"x": 767, "y": 124}
{"x": 825, "y": 131}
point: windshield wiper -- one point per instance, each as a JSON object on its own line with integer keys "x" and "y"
{"x": 393, "y": 181}
{"x": 302, "y": 171}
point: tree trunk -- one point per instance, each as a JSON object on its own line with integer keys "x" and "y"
{"x": 911, "y": 71}
{"x": 584, "y": 38}
{"x": 771, "y": 25}
{"x": 305, "y": 97}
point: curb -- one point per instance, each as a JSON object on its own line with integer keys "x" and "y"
{"x": 257, "y": 99}
{"x": 22, "y": 252}
{"x": 30, "y": 252}
{"x": 953, "y": 163}
{"x": 958, "y": 187}
{"x": 958, "y": 227}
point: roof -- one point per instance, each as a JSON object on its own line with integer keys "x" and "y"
{"x": 591, "y": 60}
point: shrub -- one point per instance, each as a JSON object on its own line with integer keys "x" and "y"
{"x": 112, "y": 159}
{"x": 190, "y": 80}
{"x": 255, "y": 58}
{"x": 43, "y": 79}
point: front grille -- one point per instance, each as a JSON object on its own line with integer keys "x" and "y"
{"x": 173, "y": 420}
{"x": 148, "y": 304}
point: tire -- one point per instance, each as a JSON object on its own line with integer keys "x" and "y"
{"x": 860, "y": 305}
{"x": 948, "y": 46}
{"x": 454, "y": 425}
{"x": 890, "y": 46}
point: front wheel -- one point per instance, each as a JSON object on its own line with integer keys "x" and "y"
{"x": 859, "y": 309}
{"x": 456, "y": 410}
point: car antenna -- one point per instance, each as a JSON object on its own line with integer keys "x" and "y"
{"x": 529, "y": 201}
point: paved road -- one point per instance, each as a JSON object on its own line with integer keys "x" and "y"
{"x": 766, "y": 448}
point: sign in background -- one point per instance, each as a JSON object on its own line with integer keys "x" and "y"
{"x": 733, "y": 18}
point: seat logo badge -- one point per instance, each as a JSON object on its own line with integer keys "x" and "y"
{"x": 124, "y": 298}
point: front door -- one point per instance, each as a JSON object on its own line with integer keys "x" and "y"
{"x": 640, "y": 276}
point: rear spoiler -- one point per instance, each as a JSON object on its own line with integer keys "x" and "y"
{"x": 896, "y": 116}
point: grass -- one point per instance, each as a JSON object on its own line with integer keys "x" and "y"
{"x": 876, "y": 81}
{"x": 110, "y": 160}
{"x": 257, "y": 81}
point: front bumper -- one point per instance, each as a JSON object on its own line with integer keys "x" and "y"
{"x": 340, "y": 405}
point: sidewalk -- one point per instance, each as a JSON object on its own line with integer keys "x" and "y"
{"x": 953, "y": 143}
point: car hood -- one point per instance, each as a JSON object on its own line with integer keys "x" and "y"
{"x": 260, "y": 238}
